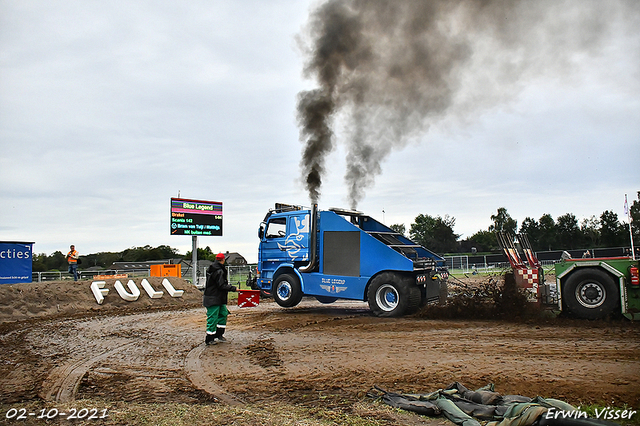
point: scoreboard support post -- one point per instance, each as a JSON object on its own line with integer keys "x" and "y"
{"x": 194, "y": 258}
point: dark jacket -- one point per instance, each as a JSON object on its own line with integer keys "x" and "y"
{"x": 217, "y": 287}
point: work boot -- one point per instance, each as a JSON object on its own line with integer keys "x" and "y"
{"x": 210, "y": 339}
{"x": 219, "y": 334}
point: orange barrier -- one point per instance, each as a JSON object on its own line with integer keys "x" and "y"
{"x": 166, "y": 270}
{"x": 110, "y": 277}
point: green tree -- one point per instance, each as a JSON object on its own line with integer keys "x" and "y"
{"x": 399, "y": 228}
{"x": 532, "y": 229}
{"x": 568, "y": 232}
{"x": 141, "y": 254}
{"x": 484, "y": 241}
{"x": 134, "y": 254}
{"x": 42, "y": 263}
{"x": 547, "y": 236}
{"x": 590, "y": 230}
{"x": 503, "y": 222}
{"x": 39, "y": 262}
{"x": 612, "y": 232}
{"x": 56, "y": 261}
{"x": 102, "y": 259}
{"x": 203, "y": 254}
{"x": 210, "y": 255}
{"x": 435, "y": 233}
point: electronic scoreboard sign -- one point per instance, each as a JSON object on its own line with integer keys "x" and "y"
{"x": 195, "y": 217}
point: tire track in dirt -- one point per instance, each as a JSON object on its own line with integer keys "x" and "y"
{"x": 194, "y": 369}
{"x": 63, "y": 382}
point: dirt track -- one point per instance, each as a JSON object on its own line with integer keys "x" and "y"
{"x": 314, "y": 354}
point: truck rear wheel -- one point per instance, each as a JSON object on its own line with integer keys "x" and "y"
{"x": 391, "y": 295}
{"x": 590, "y": 294}
{"x": 287, "y": 291}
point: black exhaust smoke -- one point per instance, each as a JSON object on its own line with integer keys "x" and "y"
{"x": 387, "y": 70}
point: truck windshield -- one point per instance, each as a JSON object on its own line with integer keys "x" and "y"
{"x": 277, "y": 227}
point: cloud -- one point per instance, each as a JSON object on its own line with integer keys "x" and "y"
{"x": 107, "y": 110}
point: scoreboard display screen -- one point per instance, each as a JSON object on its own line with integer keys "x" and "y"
{"x": 196, "y": 217}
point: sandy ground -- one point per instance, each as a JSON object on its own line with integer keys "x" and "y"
{"x": 58, "y": 344}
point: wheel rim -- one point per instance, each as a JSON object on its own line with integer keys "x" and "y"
{"x": 591, "y": 294}
{"x": 387, "y": 297}
{"x": 284, "y": 290}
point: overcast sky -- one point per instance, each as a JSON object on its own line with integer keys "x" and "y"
{"x": 109, "y": 109}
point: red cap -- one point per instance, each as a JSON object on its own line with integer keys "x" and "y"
{"x": 219, "y": 256}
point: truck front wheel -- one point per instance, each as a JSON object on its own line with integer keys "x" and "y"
{"x": 391, "y": 295}
{"x": 590, "y": 294}
{"x": 287, "y": 291}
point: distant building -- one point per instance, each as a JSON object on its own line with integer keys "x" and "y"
{"x": 131, "y": 266}
{"x": 235, "y": 259}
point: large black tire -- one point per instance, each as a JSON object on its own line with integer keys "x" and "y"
{"x": 590, "y": 294}
{"x": 326, "y": 300}
{"x": 391, "y": 295}
{"x": 287, "y": 291}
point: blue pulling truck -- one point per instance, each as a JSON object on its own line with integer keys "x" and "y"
{"x": 344, "y": 254}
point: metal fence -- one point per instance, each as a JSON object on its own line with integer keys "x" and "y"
{"x": 483, "y": 264}
{"x": 457, "y": 262}
{"x": 237, "y": 275}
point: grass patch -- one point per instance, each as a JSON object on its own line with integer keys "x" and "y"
{"x": 609, "y": 413}
{"x": 172, "y": 414}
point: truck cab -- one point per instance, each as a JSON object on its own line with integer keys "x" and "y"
{"x": 344, "y": 254}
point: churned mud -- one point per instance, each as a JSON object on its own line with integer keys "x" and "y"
{"x": 314, "y": 354}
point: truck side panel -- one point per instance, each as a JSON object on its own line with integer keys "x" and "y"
{"x": 374, "y": 250}
{"x": 347, "y": 260}
{"x": 341, "y": 253}
{"x": 370, "y": 249}
{"x": 317, "y": 284}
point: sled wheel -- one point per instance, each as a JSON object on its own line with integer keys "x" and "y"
{"x": 391, "y": 295}
{"x": 286, "y": 291}
{"x": 590, "y": 294}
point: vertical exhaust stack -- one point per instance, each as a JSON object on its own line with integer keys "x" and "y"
{"x": 313, "y": 258}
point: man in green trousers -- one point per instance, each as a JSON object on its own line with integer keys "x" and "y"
{"x": 215, "y": 300}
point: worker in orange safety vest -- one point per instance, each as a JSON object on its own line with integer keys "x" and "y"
{"x": 72, "y": 259}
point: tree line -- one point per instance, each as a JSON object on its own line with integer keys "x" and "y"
{"x": 545, "y": 233}
{"x": 435, "y": 233}
{"x": 57, "y": 260}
